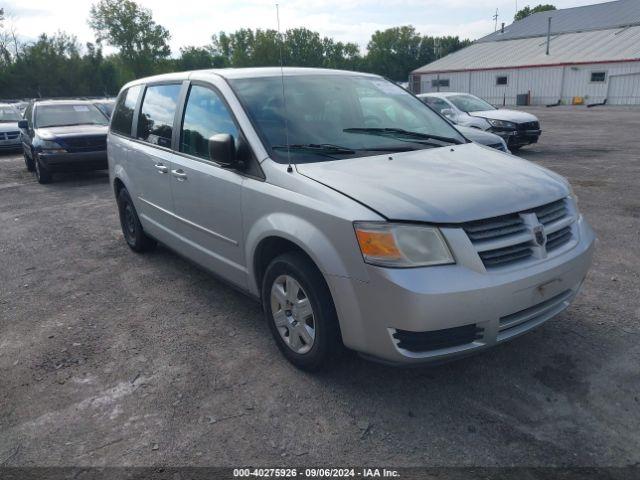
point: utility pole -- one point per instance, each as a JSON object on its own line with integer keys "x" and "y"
{"x": 495, "y": 20}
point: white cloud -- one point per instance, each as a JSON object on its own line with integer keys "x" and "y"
{"x": 192, "y": 22}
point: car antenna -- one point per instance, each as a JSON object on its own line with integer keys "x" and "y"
{"x": 284, "y": 101}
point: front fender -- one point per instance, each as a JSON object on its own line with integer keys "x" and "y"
{"x": 306, "y": 235}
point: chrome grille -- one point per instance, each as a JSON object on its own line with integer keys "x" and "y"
{"x": 9, "y": 135}
{"x": 494, "y": 227}
{"x": 528, "y": 126}
{"x": 558, "y": 238}
{"x": 508, "y": 239}
{"x": 85, "y": 144}
{"x": 551, "y": 212}
{"x": 500, "y": 256}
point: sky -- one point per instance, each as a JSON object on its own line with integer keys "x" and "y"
{"x": 192, "y": 22}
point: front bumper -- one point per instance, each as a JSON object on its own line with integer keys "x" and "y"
{"x": 518, "y": 138}
{"x": 501, "y": 305}
{"x": 74, "y": 162}
{"x": 10, "y": 146}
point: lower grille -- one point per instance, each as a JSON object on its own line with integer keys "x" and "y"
{"x": 437, "y": 339}
{"x": 523, "y": 320}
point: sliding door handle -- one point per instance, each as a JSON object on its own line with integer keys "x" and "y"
{"x": 179, "y": 174}
{"x": 161, "y": 168}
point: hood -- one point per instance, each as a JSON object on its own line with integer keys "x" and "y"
{"x": 73, "y": 131}
{"x": 9, "y": 127}
{"x": 508, "y": 115}
{"x": 480, "y": 136}
{"x": 441, "y": 185}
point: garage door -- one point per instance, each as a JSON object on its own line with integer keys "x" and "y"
{"x": 624, "y": 89}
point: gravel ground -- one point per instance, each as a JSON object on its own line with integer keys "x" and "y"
{"x": 113, "y": 358}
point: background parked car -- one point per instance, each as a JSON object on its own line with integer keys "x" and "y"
{"x": 63, "y": 135}
{"x": 517, "y": 128}
{"x": 9, "y": 131}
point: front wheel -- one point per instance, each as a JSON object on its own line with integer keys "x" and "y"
{"x": 132, "y": 230}
{"x": 28, "y": 161}
{"x": 42, "y": 174}
{"x": 300, "y": 312}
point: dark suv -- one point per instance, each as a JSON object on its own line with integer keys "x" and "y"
{"x": 63, "y": 136}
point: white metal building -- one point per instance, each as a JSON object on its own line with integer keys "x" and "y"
{"x": 593, "y": 53}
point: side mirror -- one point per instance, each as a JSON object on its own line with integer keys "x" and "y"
{"x": 222, "y": 149}
{"x": 449, "y": 113}
{"x": 23, "y": 124}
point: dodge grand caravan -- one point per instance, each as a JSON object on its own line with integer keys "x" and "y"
{"x": 357, "y": 215}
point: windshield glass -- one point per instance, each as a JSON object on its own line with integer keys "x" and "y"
{"x": 469, "y": 103}
{"x": 9, "y": 114}
{"x": 332, "y": 110}
{"x": 106, "y": 107}
{"x": 68, "y": 114}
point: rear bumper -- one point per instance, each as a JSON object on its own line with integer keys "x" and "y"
{"x": 426, "y": 315}
{"x": 74, "y": 162}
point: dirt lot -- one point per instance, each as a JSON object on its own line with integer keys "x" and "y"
{"x": 112, "y": 358}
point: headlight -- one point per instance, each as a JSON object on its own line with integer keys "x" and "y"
{"x": 401, "y": 245}
{"x": 501, "y": 123}
{"x": 50, "y": 145}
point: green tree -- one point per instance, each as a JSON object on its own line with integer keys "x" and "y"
{"x": 397, "y": 51}
{"x": 142, "y": 43}
{"x": 195, "y": 58}
{"x": 526, "y": 11}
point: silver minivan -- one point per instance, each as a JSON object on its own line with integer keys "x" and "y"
{"x": 358, "y": 216}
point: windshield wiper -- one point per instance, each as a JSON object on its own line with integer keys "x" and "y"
{"x": 401, "y": 133}
{"x": 321, "y": 148}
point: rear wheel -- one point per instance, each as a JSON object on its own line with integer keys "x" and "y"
{"x": 300, "y": 312}
{"x": 132, "y": 230}
{"x": 42, "y": 174}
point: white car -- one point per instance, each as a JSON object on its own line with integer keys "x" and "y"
{"x": 516, "y": 128}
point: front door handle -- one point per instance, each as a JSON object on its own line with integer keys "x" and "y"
{"x": 179, "y": 174}
{"x": 161, "y": 168}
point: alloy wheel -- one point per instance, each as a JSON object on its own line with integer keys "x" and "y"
{"x": 293, "y": 314}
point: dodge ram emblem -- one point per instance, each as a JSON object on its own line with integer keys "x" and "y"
{"x": 539, "y": 235}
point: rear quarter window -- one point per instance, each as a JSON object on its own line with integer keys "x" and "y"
{"x": 123, "y": 113}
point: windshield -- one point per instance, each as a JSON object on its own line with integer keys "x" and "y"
{"x": 106, "y": 107}
{"x": 469, "y": 103}
{"x": 349, "y": 115}
{"x": 68, "y": 114}
{"x": 9, "y": 114}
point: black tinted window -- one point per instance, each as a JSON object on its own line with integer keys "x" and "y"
{"x": 205, "y": 115}
{"x": 123, "y": 114}
{"x": 155, "y": 124}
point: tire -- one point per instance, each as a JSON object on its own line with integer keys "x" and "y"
{"x": 515, "y": 149}
{"x": 42, "y": 174}
{"x": 132, "y": 230}
{"x": 285, "y": 322}
{"x": 28, "y": 161}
